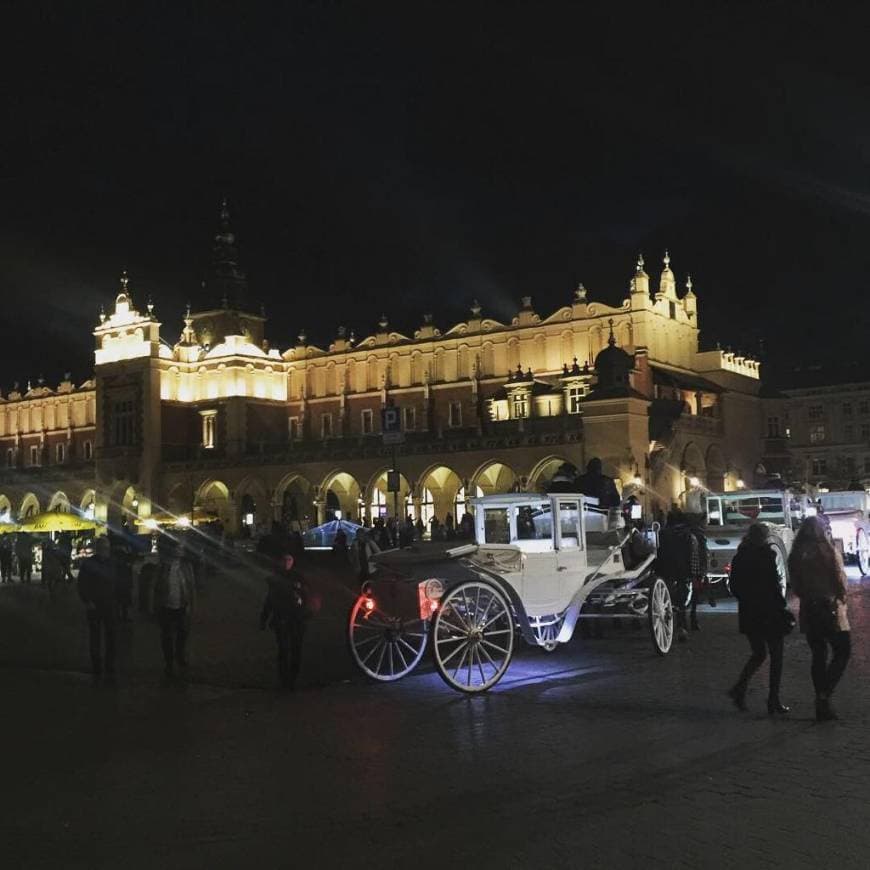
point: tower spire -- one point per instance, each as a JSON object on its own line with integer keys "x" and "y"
{"x": 227, "y": 280}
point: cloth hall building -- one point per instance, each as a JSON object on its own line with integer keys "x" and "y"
{"x": 220, "y": 424}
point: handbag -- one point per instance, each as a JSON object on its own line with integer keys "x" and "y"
{"x": 821, "y": 616}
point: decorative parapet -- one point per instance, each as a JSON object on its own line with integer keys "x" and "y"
{"x": 725, "y": 360}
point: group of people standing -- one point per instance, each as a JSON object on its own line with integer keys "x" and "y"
{"x": 818, "y": 579}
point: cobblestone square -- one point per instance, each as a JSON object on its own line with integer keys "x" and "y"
{"x": 601, "y": 755}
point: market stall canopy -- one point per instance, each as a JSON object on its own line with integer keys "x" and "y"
{"x": 57, "y": 522}
{"x": 8, "y": 528}
{"x": 324, "y": 536}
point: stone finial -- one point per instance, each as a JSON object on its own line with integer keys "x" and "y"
{"x": 102, "y": 314}
{"x": 580, "y": 293}
{"x": 124, "y": 281}
{"x": 427, "y": 318}
{"x": 475, "y": 308}
{"x": 342, "y": 331}
{"x": 689, "y": 286}
{"x": 150, "y": 306}
{"x": 303, "y": 336}
{"x": 667, "y": 259}
{"x": 639, "y": 267}
{"x": 527, "y": 301}
{"x": 383, "y": 322}
{"x": 67, "y": 376}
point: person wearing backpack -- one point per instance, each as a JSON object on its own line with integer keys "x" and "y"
{"x": 763, "y": 616}
{"x": 819, "y": 580}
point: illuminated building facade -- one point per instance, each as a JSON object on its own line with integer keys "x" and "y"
{"x": 221, "y": 424}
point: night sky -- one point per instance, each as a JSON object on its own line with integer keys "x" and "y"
{"x": 409, "y": 158}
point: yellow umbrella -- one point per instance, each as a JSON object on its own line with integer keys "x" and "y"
{"x": 8, "y": 528}
{"x": 57, "y": 522}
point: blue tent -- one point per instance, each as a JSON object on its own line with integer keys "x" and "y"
{"x": 324, "y": 536}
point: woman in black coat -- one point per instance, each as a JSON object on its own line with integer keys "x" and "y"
{"x": 760, "y": 593}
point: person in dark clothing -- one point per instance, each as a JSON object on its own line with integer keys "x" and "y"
{"x": 96, "y": 585}
{"x": 122, "y": 560}
{"x": 596, "y": 484}
{"x": 759, "y": 588}
{"x": 64, "y": 549}
{"x": 52, "y": 566}
{"x": 174, "y": 598}
{"x": 698, "y": 564}
{"x": 285, "y": 609}
{"x": 819, "y": 580}
{"x": 24, "y": 554}
{"x": 5, "y": 558}
{"x": 420, "y": 529}
{"x": 339, "y": 544}
{"x": 674, "y": 565}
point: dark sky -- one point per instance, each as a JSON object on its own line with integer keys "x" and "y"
{"x": 408, "y": 158}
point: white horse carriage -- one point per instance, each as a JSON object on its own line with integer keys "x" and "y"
{"x": 541, "y": 563}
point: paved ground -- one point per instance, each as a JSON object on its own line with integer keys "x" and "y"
{"x": 601, "y": 755}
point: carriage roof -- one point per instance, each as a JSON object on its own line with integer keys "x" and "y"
{"x": 524, "y": 498}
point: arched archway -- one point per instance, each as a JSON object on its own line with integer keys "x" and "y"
{"x": 59, "y": 503}
{"x": 381, "y": 502}
{"x": 346, "y": 492}
{"x": 5, "y": 509}
{"x": 442, "y": 492}
{"x": 541, "y": 475}
{"x": 253, "y": 502}
{"x": 694, "y": 472}
{"x": 293, "y": 502}
{"x": 716, "y": 468}
{"x": 494, "y": 478}
{"x": 29, "y": 506}
{"x": 212, "y": 502}
{"x": 88, "y": 504}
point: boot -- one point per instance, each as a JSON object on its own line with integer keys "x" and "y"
{"x": 682, "y": 634}
{"x": 738, "y": 695}
{"x": 824, "y": 711}
{"x": 774, "y": 707}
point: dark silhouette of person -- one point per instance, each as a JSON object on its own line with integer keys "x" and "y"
{"x": 96, "y": 586}
{"x": 52, "y": 566}
{"x": 674, "y": 565}
{"x": 5, "y": 558}
{"x": 596, "y": 484}
{"x": 24, "y": 554}
{"x": 122, "y": 560}
{"x": 285, "y": 609}
{"x": 174, "y": 598}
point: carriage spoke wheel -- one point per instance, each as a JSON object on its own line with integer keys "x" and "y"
{"x": 661, "y": 616}
{"x": 385, "y": 648}
{"x": 473, "y": 637}
{"x": 862, "y": 551}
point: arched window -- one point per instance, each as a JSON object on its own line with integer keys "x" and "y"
{"x": 427, "y": 508}
{"x": 379, "y": 503}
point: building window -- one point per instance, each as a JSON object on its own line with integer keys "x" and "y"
{"x": 849, "y": 465}
{"x": 326, "y": 425}
{"x": 10, "y": 458}
{"x": 575, "y": 398}
{"x": 293, "y": 429}
{"x": 34, "y": 454}
{"x": 520, "y": 406}
{"x": 847, "y": 409}
{"x": 773, "y": 427}
{"x": 454, "y": 418}
{"x": 122, "y": 423}
{"x": 817, "y": 433}
{"x": 849, "y": 432}
{"x": 89, "y": 450}
{"x": 410, "y": 419}
{"x": 864, "y": 407}
{"x": 820, "y": 466}
{"x": 816, "y": 412}
{"x": 60, "y": 453}
{"x": 209, "y": 426}
{"x": 368, "y": 424}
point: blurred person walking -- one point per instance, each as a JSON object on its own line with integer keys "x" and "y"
{"x": 24, "y": 555}
{"x": 174, "y": 600}
{"x": 819, "y": 581}
{"x": 763, "y": 615}
{"x": 96, "y": 586}
{"x": 285, "y": 609}
{"x": 5, "y": 558}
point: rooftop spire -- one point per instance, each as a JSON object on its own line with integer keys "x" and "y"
{"x": 227, "y": 280}
{"x": 667, "y": 284}
{"x": 689, "y": 286}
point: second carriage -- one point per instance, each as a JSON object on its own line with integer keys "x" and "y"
{"x": 539, "y": 565}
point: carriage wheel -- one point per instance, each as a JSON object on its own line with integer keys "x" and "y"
{"x": 473, "y": 637}
{"x": 385, "y": 648}
{"x": 862, "y": 551}
{"x": 661, "y": 616}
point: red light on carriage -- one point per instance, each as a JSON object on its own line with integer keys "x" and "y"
{"x": 369, "y": 604}
{"x": 728, "y": 568}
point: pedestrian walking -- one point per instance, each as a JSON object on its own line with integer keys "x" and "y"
{"x": 24, "y": 555}
{"x": 122, "y": 561}
{"x": 674, "y": 565}
{"x": 698, "y": 562}
{"x": 819, "y": 581}
{"x": 5, "y": 558}
{"x": 96, "y": 586}
{"x": 285, "y": 610}
{"x": 52, "y": 567}
{"x": 174, "y": 600}
{"x": 361, "y": 552}
{"x": 763, "y": 615}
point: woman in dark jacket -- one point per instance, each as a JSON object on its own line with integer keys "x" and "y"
{"x": 819, "y": 580}
{"x": 760, "y": 593}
